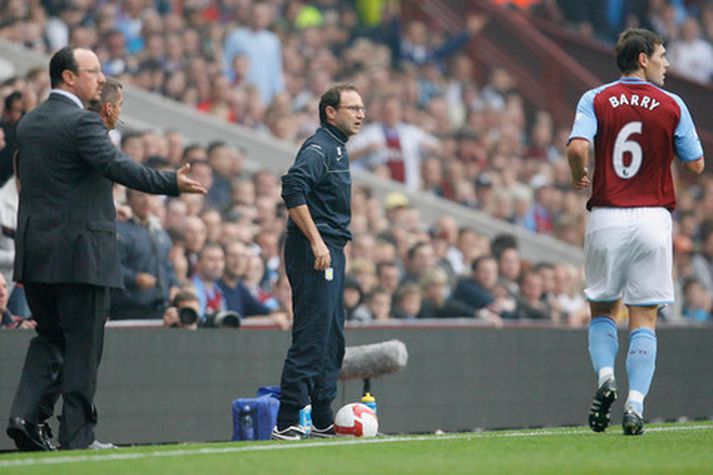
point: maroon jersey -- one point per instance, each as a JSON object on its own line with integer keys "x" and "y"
{"x": 637, "y": 128}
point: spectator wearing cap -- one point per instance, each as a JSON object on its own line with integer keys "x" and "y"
{"x": 396, "y": 200}
{"x": 484, "y": 193}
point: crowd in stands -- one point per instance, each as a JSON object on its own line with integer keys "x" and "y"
{"x": 263, "y": 65}
{"x": 687, "y": 26}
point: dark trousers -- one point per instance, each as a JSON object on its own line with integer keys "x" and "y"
{"x": 63, "y": 359}
{"x": 315, "y": 357}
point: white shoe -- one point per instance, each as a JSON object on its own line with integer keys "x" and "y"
{"x": 96, "y": 445}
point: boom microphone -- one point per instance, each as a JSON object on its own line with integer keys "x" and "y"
{"x": 370, "y": 361}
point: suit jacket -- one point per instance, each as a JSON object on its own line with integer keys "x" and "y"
{"x": 66, "y": 229}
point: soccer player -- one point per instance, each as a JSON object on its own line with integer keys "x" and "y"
{"x": 636, "y": 128}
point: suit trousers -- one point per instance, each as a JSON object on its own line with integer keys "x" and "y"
{"x": 314, "y": 359}
{"x": 63, "y": 359}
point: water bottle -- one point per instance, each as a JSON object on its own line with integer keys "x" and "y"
{"x": 306, "y": 418}
{"x": 368, "y": 400}
{"x": 247, "y": 427}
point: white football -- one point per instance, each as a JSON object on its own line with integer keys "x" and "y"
{"x": 356, "y": 420}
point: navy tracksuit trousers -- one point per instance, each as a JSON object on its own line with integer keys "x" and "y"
{"x": 315, "y": 357}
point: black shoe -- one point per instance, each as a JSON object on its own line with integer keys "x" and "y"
{"x": 600, "y": 411}
{"x": 30, "y": 437}
{"x": 326, "y": 433}
{"x": 632, "y": 424}
{"x": 291, "y": 433}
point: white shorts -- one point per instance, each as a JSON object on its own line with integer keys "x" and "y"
{"x": 628, "y": 255}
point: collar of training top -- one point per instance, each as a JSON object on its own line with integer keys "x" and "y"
{"x": 334, "y": 131}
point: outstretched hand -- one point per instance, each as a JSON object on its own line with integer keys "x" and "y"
{"x": 187, "y": 184}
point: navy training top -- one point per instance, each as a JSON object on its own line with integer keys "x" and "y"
{"x": 321, "y": 179}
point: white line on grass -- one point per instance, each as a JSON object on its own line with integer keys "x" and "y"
{"x": 106, "y": 456}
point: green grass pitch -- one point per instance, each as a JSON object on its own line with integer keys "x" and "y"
{"x": 665, "y": 448}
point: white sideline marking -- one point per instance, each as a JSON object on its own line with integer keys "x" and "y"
{"x": 106, "y": 456}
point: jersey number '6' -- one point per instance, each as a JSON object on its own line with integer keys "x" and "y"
{"x": 624, "y": 145}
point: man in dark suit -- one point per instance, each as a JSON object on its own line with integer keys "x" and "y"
{"x": 66, "y": 249}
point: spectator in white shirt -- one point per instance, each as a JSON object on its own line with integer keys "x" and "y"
{"x": 691, "y": 56}
{"x": 399, "y": 146}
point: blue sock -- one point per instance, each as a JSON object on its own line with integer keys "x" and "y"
{"x": 640, "y": 366}
{"x": 603, "y": 346}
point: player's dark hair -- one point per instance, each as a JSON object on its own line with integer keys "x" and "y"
{"x": 332, "y": 97}
{"x": 631, "y": 43}
{"x": 62, "y": 60}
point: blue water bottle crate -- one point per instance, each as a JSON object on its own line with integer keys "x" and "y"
{"x": 254, "y": 418}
